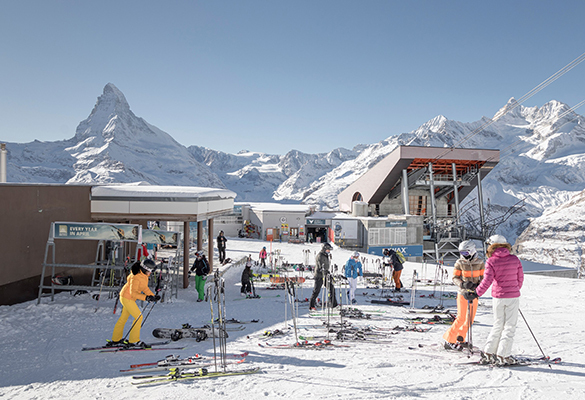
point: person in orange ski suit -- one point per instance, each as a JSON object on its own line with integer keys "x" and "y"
{"x": 467, "y": 275}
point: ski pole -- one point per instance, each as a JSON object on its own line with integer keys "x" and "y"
{"x": 144, "y": 320}
{"x": 469, "y": 325}
{"x": 544, "y": 355}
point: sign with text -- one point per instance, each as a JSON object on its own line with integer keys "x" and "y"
{"x": 406, "y": 250}
{"x": 96, "y": 231}
{"x": 396, "y": 224}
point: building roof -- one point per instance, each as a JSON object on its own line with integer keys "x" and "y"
{"x": 277, "y": 207}
{"x": 170, "y": 203}
{"x": 378, "y": 181}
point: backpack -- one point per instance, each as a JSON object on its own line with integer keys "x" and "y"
{"x": 401, "y": 257}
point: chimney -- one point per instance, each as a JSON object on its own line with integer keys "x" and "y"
{"x": 2, "y": 162}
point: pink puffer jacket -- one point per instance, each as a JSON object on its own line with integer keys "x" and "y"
{"x": 504, "y": 270}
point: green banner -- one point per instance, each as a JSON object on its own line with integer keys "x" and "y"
{"x": 96, "y": 231}
{"x": 156, "y": 236}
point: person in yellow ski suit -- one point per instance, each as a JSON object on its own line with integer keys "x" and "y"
{"x": 136, "y": 288}
{"x": 467, "y": 274}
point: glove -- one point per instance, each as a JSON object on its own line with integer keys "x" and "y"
{"x": 470, "y": 295}
{"x": 152, "y": 298}
{"x": 469, "y": 285}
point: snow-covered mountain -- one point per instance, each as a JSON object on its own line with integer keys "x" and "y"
{"x": 261, "y": 177}
{"x": 541, "y": 166}
{"x": 111, "y": 145}
{"x": 556, "y": 237}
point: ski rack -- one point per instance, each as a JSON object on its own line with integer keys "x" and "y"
{"x": 173, "y": 267}
{"x": 101, "y": 232}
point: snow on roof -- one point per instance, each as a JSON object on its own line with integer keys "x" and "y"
{"x": 326, "y": 215}
{"x": 154, "y": 191}
{"x": 280, "y": 207}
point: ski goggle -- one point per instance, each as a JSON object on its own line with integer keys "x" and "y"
{"x": 465, "y": 253}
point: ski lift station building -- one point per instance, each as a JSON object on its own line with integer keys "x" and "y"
{"x": 411, "y": 200}
{"x": 29, "y": 212}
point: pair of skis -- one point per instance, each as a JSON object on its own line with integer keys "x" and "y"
{"x": 520, "y": 362}
{"x": 124, "y": 347}
{"x": 183, "y": 363}
{"x": 304, "y": 344}
{"x": 177, "y": 374}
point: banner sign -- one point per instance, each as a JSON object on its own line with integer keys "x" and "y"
{"x": 315, "y": 222}
{"x": 96, "y": 231}
{"x": 396, "y": 224}
{"x": 407, "y": 251}
{"x": 156, "y": 236}
{"x": 345, "y": 229}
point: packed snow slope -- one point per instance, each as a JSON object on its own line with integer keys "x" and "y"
{"x": 42, "y": 357}
{"x": 541, "y": 165}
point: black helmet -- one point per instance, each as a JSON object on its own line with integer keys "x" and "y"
{"x": 148, "y": 265}
{"x": 327, "y": 246}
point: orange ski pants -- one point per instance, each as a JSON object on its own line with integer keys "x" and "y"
{"x": 461, "y": 323}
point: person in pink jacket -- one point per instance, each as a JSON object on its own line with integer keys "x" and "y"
{"x": 503, "y": 271}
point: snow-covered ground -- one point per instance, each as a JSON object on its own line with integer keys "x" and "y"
{"x": 42, "y": 357}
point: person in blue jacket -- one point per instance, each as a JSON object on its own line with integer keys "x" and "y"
{"x": 353, "y": 269}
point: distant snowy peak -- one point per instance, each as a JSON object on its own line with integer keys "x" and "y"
{"x": 110, "y": 106}
{"x": 512, "y": 109}
{"x": 557, "y": 236}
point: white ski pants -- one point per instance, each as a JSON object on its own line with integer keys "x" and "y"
{"x": 352, "y": 287}
{"x": 501, "y": 336}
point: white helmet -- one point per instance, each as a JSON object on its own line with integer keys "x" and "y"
{"x": 355, "y": 255}
{"x": 496, "y": 239}
{"x": 467, "y": 248}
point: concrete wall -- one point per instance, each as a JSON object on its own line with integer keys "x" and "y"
{"x": 394, "y": 206}
{"x": 26, "y": 213}
{"x": 272, "y": 219}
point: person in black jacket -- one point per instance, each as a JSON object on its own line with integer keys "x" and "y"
{"x": 322, "y": 265}
{"x": 246, "y": 277}
{"x": 397, "y": 269}
{"x": 201, "y": 268}
{"x": 221, "y": 241}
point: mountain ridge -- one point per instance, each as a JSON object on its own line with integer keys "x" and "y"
{"x": 542, "y": 154}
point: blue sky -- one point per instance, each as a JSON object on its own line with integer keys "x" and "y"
{"x": 273, "y": 76}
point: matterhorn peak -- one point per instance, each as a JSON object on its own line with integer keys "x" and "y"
{"x": 111, "y": 102}
{"x": 110, "y": 105}
{"x": 113, "y": 94}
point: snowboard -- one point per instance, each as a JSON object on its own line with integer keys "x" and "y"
{"x": 390, "y": 302}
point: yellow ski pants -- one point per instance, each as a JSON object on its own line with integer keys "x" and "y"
{"x": 130, "y": 309}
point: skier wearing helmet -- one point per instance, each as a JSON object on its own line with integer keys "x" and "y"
{"x": 467, "y": 275}
{"x": 201, "y": 268}
{"x": 504, "y": 270}
{"x": 322, "y": 265}
{"x": 136, "y": 288}
{"x": 353, "y": 269}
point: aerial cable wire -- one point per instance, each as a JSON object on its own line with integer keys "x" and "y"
{"x": 518, "y": 102}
